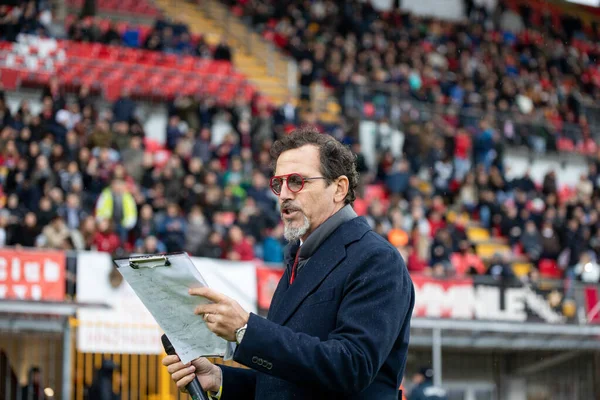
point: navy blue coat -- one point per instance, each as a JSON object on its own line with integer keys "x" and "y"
{"x": 339, "y": 332}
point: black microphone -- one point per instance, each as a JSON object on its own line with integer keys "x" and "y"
{"x": 193, "y": 388}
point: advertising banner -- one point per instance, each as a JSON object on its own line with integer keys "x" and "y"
{"x": 32, "y": 275}
{"x": 483, "y": 300}
{"x": 267, "y": 280}
{"x": 234, "y": 279}
{"x": 125, "y": 325}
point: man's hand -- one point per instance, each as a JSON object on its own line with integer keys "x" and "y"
{"x": 209, "y": 375}
{"x": 224, "y": 316}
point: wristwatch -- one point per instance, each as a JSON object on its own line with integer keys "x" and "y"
{"x": 239, "y": 334}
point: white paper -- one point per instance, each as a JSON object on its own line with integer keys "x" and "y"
{"x": 164, "y": 292}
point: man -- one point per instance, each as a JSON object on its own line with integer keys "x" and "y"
{"x": 424, "y": 389}
{"x": 338, "y": 326}
{"x": 102, "y": 386}
{"x": 117, "y": 204}
{"x": 33, "y": 390}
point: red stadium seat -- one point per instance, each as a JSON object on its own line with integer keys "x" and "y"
{"x": 549, "y": 269}
{"x": 147, "y": 74}
{"x": 375, "y": 192}
{"x": 565, "y": 193}
{"x": 9, "y": 78}
{"x": 565, "y": 144}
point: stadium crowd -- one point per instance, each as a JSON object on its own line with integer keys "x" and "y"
{"x": 503, "y": 62}
{"x": 34, "y": 17}
{"x": 168, "y": 36}
{"x": 79, "y": 177}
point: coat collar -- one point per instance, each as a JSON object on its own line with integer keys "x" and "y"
{"x": 327, "y": 257}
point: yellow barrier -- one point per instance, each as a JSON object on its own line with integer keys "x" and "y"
{"x": 143, "y": 377}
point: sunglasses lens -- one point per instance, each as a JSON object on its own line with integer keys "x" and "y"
{"x": 276, "y": 185}
{"x": 295, "y": 182}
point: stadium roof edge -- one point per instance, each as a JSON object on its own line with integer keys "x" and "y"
{"x": 506, "y": 327}
{"x": 31, "y": 308}
{"x": 468, "y": 334}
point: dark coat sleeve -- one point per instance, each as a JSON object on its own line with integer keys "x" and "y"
{"x": 377, "y": 300}
{"x": 238, "y": 383}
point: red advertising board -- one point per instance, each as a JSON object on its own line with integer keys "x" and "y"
{"x": 267, "y": 280}
{"x": 32, "y": 275}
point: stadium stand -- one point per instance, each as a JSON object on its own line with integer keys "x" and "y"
{"x": 112, "y": 69}
{"x": 477, "y": 216}
{"x": 538, "y": 65}
{"x": 128, "y": 7}
{"x": 216, "y": 171}
{"x": 79, "y": 171}
{"x": 172, "y": 38}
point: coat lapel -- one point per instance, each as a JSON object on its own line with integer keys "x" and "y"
{"x": 282, "y": 287}
{"x": 329, "y": 255}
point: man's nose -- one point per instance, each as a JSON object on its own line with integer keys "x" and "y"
{"x": 286, "y": 193}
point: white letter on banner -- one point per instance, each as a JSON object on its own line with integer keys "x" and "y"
{"x": 3, "y": 269}
{"x": 419, "y": 302}
{"x": 51, "y": 271}
{"x": 3, "y": 290}
{"x": 435, "y": 296}
{"x": 32, "y": 271}
{"x": 36, "y": 292}
{"x": 462, "y": 301}
{"x": 20, "y": 291}
{"x": 16, "y": 269}
{"x": 514, "y": 305}
{"x": 487, "y": 302}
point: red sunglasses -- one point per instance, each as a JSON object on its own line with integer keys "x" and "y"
{"x": 295, "y": 182}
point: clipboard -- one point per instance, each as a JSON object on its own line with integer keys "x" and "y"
{"x": 162, "y": 282}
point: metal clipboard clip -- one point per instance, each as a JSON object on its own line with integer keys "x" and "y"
{"x": 149, "y": 262}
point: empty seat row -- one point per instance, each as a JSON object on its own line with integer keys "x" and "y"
{"x": 101, "y": 52}
{"x": 110, "y": 69}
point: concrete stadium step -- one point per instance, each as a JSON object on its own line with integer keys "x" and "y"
{"x": 208, "y": 19}
{"x": 267, "y": 80}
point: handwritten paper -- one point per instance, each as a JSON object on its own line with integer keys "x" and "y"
{"x": 164, "y": 292}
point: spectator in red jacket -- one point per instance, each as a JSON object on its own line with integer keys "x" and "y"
{"x": 466, "y": 262}
{"x": 106, "y": 239}
{"x": 238, "y": 248}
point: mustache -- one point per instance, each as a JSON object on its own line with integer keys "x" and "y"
{"x": 289, "y": 206}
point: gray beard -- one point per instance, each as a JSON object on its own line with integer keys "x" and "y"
{"x": 292, "y": 234}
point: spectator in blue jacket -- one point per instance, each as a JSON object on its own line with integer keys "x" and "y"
{"x": 424, "y": 389}
{"x": 273, "y": 245}
{"x": 173, "y": 228}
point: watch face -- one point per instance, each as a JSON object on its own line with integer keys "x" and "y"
{"x": 240, "y": 334}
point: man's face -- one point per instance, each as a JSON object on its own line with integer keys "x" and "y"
{"x": 118, "y": 187}
{"x": 417, "y": 379}
{"x": 304, "y": 211}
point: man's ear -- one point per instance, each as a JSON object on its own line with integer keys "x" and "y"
{"x": 342, "y": 184}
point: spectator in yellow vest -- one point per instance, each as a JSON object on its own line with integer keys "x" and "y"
{"x": 117, "y": 204}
